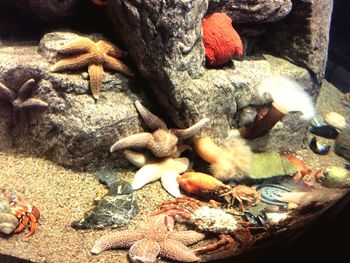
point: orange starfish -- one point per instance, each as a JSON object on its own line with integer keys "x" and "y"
{"x": 93, "y": 55}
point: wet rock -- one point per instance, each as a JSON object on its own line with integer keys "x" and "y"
{"x": 111, "y": 211}
{"x": 270, "y": 164}
{"x": 46, "y": 10}
{"x": 107, "y": 176}
{"x": 303, "y": 36}
{"x": 342, "y": 144}
{"x": 74, "y": 131}
{"x": 254, "y": 11}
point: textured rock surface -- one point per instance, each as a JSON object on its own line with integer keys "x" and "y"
{"x": 74, "y": 131}
{"x": 342, "y": 144}
{"x": 254, "y": 11}
{"x": 303, "y": 35}
{"x": 45, "y": 10}
{"x": 110, "y": 211}
{"x": 166, "y": 45}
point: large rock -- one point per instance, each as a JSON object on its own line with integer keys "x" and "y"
{"x": 46, "y": 10}
{"x": 166, "y": 45}
{"x": 254, "y": 11}
{"x": 74, "y": 131}
{"x": 303, "y": 36}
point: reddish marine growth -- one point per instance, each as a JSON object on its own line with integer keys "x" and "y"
{"x": 220, "y": 40}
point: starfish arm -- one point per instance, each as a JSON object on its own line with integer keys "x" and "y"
{"x": 181, "y": 164}
{"x": 138, "y": 159}
{"x": 135, "y": 140}
{"x": 115, "y": 64}
{"x": 120, "y": 239}
{"x": 77, "y": 45}
{"x": 188, "y": 237}
{"x": 175, "y": 250}
{"x": 96, "y": 78}
{"x": 73, "y": 62}
{"x": 147, "y": 174}
{"x": 112, "y": 49}
{"x": 6, "y": 93}
{"x": 144, "y": 250}
{"x": 151, "y": 120}
{"x": 25, "y": 89}
{"x": 191, "y": 131}
{"x": 33, "y": 103}
{"x": 169, "y": 182}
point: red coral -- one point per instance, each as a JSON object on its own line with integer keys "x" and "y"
{"x": 220, "y": 40}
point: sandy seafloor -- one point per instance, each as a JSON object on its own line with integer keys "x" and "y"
{"x": 64, "y": 195}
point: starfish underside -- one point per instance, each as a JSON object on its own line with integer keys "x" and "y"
{"x": 163, "y": 141}
{"x": 21, "y": 101}
{"x": 150, "y": 240}
{"x": 166, "y": 170}
{"x": 86, "y": 53}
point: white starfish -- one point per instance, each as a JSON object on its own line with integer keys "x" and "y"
{"x": 151, "y": 169}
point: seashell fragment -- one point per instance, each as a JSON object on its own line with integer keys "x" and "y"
{"x": 335, "y": 120}
{"x": 8, "y": 223}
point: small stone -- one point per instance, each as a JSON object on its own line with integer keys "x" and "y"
{"x": 270, "y": 164}
{"x": 111, "y": 211}
{"x": 335, "y": 120}
{"x": 120, "y": 187}
{"x": 342, "y": 144}
{"x": 336, "y": 177}
{"x": 107, "y": 176}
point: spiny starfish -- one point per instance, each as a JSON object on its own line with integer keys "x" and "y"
{"x": 167, "y": 170}
{"x": 163, "y": 141}
{"x": 21, "y": 101}
{"x": 93, "y": 55}
{"x": 150, "y": 240}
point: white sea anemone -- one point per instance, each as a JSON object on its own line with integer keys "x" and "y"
{"x": 288, "y": 95}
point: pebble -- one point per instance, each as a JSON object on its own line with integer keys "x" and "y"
{"x": 335, "y": 120}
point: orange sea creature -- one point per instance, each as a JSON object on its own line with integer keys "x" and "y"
{"x": 230, "y": 161}
{"x": 28, "y": 215}
{"x": 303, "y": 170}
{"x": 200, "y": 183}
{"x": 221, "y": 41}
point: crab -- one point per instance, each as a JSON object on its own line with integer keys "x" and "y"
{"x": 207, "y": 185}
{"x": 243, "y": 193}
{"x": 28, "y": 215}
{"x": 234, "y": 235}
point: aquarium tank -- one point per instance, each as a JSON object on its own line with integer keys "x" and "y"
{"x": 169, "y": 131}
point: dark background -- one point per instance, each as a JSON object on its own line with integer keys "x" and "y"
{"x": 327, "y": 240}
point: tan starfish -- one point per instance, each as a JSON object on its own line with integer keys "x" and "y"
{"x": 152, "y": 239}
{"x": 95, "y": 56}
{"x": 163, "y": 142}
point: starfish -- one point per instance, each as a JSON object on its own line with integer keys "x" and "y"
{"x": 21, "y": 101}
{"x": 95, "y": 56}
{"x": 150, "y": 240}
{"x": 163, "y": 141}
{"x": 167, "y": 170}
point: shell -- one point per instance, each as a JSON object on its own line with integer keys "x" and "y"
{"x": 8, "y": 223}
{"x": 335, "y": 120}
